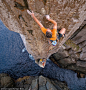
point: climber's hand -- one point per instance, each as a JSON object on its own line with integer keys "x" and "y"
{"x": 47, "y": 17}
{"x": 30, "y": 13}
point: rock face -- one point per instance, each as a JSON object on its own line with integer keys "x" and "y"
{"x": 68, "y": 14}
{"x": 73, "y": 54}
{"x": 31, "y": 83}
{"x": 6, "y": 81}
{"x": 40, "y": 83}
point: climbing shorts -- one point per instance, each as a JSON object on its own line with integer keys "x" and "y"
{"x": 59, "y": 36}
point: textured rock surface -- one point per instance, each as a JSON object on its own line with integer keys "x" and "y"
{"x": 6, "y": 81}
{"x": 76, "y": 49}
{"x": 68, "y": 14}
{"x": 40, "y": 83}
{"x": 31, "y": 83}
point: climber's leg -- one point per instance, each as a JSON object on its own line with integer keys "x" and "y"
{"x": 49, "y": 42}
{"x": 62, "y": 31}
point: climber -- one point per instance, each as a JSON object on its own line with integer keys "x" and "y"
{"x": 51, "y": 34}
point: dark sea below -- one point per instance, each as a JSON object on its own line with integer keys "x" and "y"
{"x": 17, "y": 62}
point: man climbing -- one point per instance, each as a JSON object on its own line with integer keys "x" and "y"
{"x": 51, "y": 34}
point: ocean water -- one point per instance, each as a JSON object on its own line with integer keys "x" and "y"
{"x": 17, "y": 62}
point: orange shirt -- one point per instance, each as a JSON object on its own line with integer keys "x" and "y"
{"x": 54, "y": 31}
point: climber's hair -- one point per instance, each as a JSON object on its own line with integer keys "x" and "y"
{"x": 48, "y": 34}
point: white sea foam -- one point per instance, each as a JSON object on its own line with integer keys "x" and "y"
{"x": 24, "y": 49}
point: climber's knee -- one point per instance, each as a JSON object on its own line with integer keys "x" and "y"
{"x": 62, "y": 31}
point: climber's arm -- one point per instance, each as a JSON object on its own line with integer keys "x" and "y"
{"x": 36, "y": 20}
{"x": 54, "y": 22}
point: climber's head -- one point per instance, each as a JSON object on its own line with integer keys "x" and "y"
{"x": 48, "y": 33}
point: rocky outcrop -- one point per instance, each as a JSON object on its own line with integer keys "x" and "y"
{"x": 40, "y": 83}
{"x": 68, "y": 14}
{"x": 32, "y": 83}
{"x": 73, "y": 54}
{"x": 6, "y": 81}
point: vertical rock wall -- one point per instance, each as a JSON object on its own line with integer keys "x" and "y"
{"x": 73, "y": 54}
{"x": 68, "y": 13}
{"x": 31, "y": 83}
